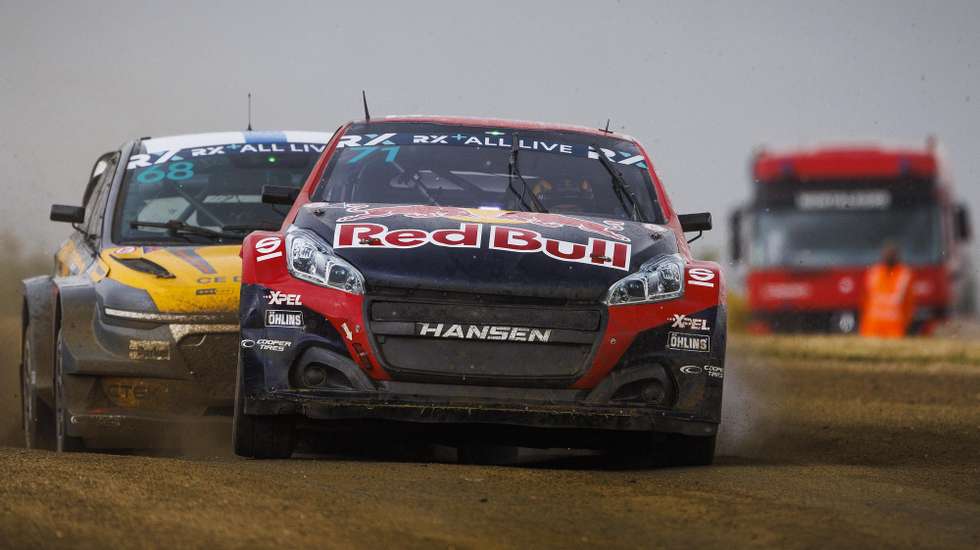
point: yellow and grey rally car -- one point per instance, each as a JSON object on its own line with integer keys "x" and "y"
{"x": 135, "y": 335}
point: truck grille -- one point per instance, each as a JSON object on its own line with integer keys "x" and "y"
{"x": 497, "y": 343}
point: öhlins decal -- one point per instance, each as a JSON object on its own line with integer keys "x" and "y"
{"x": 688, "y": 342}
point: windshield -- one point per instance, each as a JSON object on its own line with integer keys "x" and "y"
{"x": 806, "y": 239}
{"x": 474, "y": 167}
{"x": 217, "y": 187}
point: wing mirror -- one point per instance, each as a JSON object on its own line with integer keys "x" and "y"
{"x": 695, "y": 222}
{"x": 735, "y": 232}
{"x": 278, "y": 194}
{"x": 66, "y": 213}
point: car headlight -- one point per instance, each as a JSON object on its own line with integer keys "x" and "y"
{"x": 659, "y": 279}
{"x": 311, "y": 259}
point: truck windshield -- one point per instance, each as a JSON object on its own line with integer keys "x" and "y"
{"x": 813, "y": 239}
{"x": 474, "y": 167}
{"x": 209, "y": 193}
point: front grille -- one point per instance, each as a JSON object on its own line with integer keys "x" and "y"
{"x": 211, "y": 360}
{"x": 415, "y": 340}
{"x": 520, "y": 316}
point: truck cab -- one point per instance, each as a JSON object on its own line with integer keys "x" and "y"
{"x": 818, "y": 218}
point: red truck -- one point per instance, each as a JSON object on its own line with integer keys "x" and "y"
{"x": 818, "y": 219}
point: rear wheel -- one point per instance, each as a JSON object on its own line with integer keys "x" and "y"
{"x": 261, "y": 436}
{"x": 64, "y": 443}
{"x": 39, "y": 429}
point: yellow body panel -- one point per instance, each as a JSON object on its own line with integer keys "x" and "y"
{"x": 206, "y": 279}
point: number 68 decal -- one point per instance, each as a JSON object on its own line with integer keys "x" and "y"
{"x": 701, "y": 277}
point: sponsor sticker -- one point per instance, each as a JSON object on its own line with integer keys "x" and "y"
{"x": 688, "y": 342}
{"x": 714, "y": 371}
{"x": 389, "y": 144}
{"x": 266, "y": 344}
{"x": 153, "y": 350}
{"x": 700, "y": 276}
{"x": 710, "y": 370}
{"x": 146, "y": 160}
{"x": 597, "y": 252}
{"x": 482, "y": 332}
{"x": 609, "y": 229}
{"x": 283, "y": 318}
{"x": 268, "y": 248}
{"x": 683, "y": 321}
{"x": 276, "y": 298}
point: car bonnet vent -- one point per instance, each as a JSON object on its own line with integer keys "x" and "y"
{"x": 145, "y": 266}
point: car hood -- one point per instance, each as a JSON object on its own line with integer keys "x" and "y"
{"x": 501, "y": 252}
{"x": 178, "y": 279}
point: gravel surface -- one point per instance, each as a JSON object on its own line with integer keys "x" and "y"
{"x": 814, "y": 453}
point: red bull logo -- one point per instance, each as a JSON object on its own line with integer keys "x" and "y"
{"x": 598, "y": 252}
{"x": 609, "y": 229}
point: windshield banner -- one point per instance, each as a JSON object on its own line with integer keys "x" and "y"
{"x": 145, "y": 160}
{"x": 390, "y": 143}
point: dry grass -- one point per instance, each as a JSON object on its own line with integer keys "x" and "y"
{"x": 19, "y": 263}
{"x": 10, "y": 380}
{"x": 852, "y": 348}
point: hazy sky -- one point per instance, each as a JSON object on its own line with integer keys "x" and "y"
{"x": 700, "y": 84}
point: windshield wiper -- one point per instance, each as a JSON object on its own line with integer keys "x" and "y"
{"x": 514, "y": 170}
{"x": 620, "y": 188}
{"x": 176, "y": 227}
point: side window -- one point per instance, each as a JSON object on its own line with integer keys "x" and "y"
{"x": 97, "y": 190}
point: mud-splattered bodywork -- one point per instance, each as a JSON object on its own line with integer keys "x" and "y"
{"x": 481, "y": 316}
{"x": 146, "y": 334}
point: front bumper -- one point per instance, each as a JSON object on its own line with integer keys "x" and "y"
{"x": 136, "y": 382}
{"x": 128, "y": 429}
{"x": 636, "y": 378}
{"x": 435, "y": 410}
{"x": 688, "y": 404}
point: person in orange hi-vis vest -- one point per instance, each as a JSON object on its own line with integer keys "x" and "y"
{"x": 887, "y": 308}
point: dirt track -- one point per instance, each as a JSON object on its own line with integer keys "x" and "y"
{"x": 818, "y": 450}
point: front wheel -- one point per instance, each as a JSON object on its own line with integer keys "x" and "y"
{"x": 39, "y": 430}
{"x": 260, "y": 436}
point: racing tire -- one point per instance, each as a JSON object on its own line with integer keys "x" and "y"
{"x": 484, "y": 454}
{"x": 64, "y": 443}
{"x": 261, "y": 436}
{"x": 688, "y": 450}
{"x": 38, "y": 421}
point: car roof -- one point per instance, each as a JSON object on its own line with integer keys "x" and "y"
{"x": 168, "y": 143}
{"x": 498, "y": 122}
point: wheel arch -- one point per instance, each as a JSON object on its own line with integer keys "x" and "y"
{"x": 40, "y": 299}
